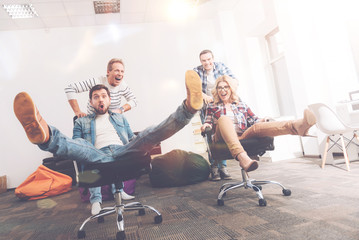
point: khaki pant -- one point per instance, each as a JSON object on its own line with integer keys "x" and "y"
{"x": 225, "y": 132}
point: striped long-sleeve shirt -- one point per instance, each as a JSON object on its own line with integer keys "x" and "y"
{"x": 116, "y": 93}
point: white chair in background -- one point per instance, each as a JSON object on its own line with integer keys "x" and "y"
{"x": 329, "y": 123}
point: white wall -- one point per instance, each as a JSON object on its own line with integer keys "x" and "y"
{"x": 319, "y": 40}
{"x": 42, "y": 63}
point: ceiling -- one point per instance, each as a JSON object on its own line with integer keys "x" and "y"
{"x": 79, "y": 13}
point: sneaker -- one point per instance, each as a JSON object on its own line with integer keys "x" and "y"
{"x": 26, "y": 112}
{"x": 95, "y": 208}
{"x": 223, "y": 172}
{"x": 194, "y": 101}
{"x": 125, "y": 196}
{"x": 215, "y": 174}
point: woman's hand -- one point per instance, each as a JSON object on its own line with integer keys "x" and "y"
{"x": 207, "y": 99}
{"x": 204, "y": 126}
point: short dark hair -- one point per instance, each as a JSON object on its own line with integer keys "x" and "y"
{"x": 205, "y": 52}
{"x": 98, "y": 87}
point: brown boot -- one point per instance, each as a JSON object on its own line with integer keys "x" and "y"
{"x": 194, "y": 101}
{"x": 302, "y": 126}
{"x": 246, "y": 163}
{"x": 26, "y": 112}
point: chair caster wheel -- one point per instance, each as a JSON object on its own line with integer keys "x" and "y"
{"x": 120, "y": 235}
{"x": 287, "y": 192}
{"x": 141, "y": 212}
{"x": 100, "y": 220}
{"x": 158, "y": 219}
{"x": 81, "y": 234}
{"x": 262, "y": 202}
{"x": 220, "y": 202}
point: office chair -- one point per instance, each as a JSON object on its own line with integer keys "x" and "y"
{"x": 329, "y": 123}
{"x": 131, "y": 165}
{"x": 254, "y": 147}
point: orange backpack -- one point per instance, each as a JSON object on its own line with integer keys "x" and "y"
{"x": 43, "y": 183}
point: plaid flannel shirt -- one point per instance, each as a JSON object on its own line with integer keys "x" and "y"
{"x": 242, "y": 114}
{"x": 219, "y": 69}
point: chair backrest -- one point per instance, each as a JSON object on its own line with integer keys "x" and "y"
{"x": 327, "y": 120}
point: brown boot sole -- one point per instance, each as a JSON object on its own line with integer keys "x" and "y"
{"x": 309, "y": 117}
{"x": 194, "y": 90}
{"x": 309, "y": 120}
{"x": 252, "y": 167}
{"x": 25, "y": 111}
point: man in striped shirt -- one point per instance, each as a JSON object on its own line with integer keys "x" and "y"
{"x": 118, "y": 89}
{"x": 113, "y": 81}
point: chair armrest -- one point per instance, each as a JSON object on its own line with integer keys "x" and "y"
{"x": 207, "y": 131}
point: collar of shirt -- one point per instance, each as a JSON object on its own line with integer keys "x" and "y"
{"x": 214, "y": 68}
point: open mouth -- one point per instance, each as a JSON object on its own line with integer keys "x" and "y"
{"x": 102, "y": 106}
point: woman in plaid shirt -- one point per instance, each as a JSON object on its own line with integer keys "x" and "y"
{"x": 232, "y": 120}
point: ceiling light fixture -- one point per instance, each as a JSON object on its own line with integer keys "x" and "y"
{"x": 179, "y": 10}
{"x": 20, "y": 10}
{"x": 107, "y": 6}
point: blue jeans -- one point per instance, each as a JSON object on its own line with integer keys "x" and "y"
{"x": 83, "y": 151}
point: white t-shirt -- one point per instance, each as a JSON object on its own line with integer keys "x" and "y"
{"x": 210, "y": 82}
{"x": 105, "y": 132}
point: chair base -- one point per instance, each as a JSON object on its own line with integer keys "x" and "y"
{"x": 249, "y": 183}
{"x": 119, "y": 209}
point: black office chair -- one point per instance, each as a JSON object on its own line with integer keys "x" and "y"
{"x": 132, "y": 165}
{"x": 254, "y": 147}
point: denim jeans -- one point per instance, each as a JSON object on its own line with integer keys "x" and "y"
{"x": 83, "y": 151}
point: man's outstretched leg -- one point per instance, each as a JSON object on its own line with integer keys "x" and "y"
{"x": 49, "y": 138}
{"x": 151, "y": 136}
{"x": 26, "y": 112}
{"x": 194, "y": 101}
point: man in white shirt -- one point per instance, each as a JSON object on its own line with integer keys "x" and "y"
{"x": 81, "y": 147}
{"x": 118, "y": 89}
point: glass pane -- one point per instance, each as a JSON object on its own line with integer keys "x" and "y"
{"x": 275, "y": 44}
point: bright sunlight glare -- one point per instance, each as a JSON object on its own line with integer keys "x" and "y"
{"x": 180, "y": 10}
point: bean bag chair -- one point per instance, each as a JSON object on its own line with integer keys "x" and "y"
{"x": 43, "y": 183}
{"x": 178, "y": 168}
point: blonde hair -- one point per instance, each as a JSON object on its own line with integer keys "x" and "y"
{"x": 232, "y": 85}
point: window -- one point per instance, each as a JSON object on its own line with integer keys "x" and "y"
{"x": 278, "y": 66}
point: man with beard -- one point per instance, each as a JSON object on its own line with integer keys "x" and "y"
{"x": 118, "y": 89}
{"x": 105, "y": 136}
